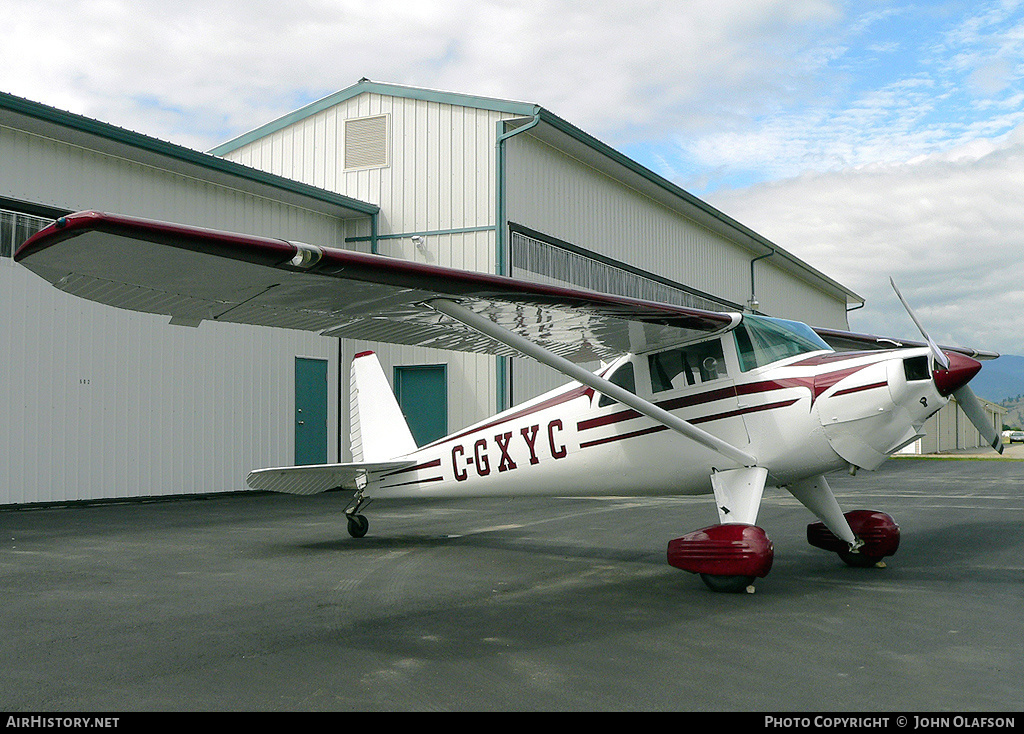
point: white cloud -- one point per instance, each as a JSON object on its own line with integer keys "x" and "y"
{"x": 201, "y": 72}
{"x": 948, "y": 227}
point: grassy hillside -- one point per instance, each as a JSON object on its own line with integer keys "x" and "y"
{"x": 1015, "y": 417}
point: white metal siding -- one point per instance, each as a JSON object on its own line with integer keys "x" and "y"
{"x": 786, "y": 296}
{"x": 100, "y": 402}
{"x": 41, "y": 170}
{"x": 552, "y": 192}
{"x": 96, "y": 402}
{"x": 440, "y": 177}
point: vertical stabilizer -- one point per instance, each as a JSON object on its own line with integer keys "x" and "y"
{"x": 378, "y": 431}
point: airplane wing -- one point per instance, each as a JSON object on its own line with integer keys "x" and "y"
{"x": 193, "y": 274}
{"x": 845, "y": 341}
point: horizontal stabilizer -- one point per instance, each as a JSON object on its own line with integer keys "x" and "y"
{"x": 317, "y": 478}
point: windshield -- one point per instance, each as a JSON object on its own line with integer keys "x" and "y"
{"x": 761, "y": 340}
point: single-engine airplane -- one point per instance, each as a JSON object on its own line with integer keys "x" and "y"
{"x": 687, "y": 402}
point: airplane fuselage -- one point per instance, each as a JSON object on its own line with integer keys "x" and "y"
{"x": 801, "y": 416}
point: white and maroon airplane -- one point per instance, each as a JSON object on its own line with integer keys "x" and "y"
{"x": 689, "y": 402}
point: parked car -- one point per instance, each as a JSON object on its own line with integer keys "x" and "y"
{"x": 1016, "y": 436}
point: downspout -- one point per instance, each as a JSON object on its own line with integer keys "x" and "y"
{"x": 752, "y": 304}
{"x": 502, "y": 375}
{"x": 500, "y": 217}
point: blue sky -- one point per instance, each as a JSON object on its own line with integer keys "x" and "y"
{"x": 887, "y": 84}
{"x": 869, "y": 138}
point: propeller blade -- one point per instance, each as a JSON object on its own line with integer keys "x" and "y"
{"x": 957, "y": 382}
{"x": 974, "y": 410}
{"x": 936, "y": 352}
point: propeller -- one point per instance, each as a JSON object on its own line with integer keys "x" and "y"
{"x": 939, "y": 355}
{"x": 952, "y": 380}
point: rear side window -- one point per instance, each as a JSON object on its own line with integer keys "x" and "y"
{"x": 623, "y": 377}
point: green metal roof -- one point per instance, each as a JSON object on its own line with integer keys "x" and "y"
{"x": 364, "y": 86}
{"x": 68, "y": 122}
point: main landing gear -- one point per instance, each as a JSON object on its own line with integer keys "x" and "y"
{"x": 728, "y": 557}
{"x": 862, "y": 538}
{"x": 877, "y": 533}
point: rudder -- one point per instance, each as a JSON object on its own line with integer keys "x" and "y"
{"x": 377, "y": 429}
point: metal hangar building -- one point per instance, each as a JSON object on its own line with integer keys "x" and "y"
{"x": 101, "y": 403}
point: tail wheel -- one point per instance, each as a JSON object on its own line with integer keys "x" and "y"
{"x": 357, "y": 525}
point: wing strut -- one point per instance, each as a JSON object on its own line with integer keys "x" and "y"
{"x": 489, "y": 328}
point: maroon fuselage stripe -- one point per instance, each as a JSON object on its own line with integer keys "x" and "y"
{"x": 550, "y": 403}
{"x": 695, "y": 421}
{"x": 872, "y": 386}
{"x": 623, "y": 436}
{"x": 815, "y": 384}
{"x": 417, "y": 467}
{"x": 414, "y": 481}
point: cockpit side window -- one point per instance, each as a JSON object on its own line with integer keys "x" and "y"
{"x": 761, "y": 341}
{"x": 624, "y": 378}
{"x": 690, "y": 365}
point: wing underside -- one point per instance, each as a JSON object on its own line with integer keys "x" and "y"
{"x": 195, "y": 275}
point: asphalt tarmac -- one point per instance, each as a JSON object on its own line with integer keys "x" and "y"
{"x": 257, "y": 602}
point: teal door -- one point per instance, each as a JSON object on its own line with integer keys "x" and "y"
{"x": 310, "y": 411}
{"x": 422, "y": 394}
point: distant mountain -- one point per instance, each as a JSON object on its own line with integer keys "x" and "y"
{"x": 1001, "y": 379}
{"x": 1014, "y": 417}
